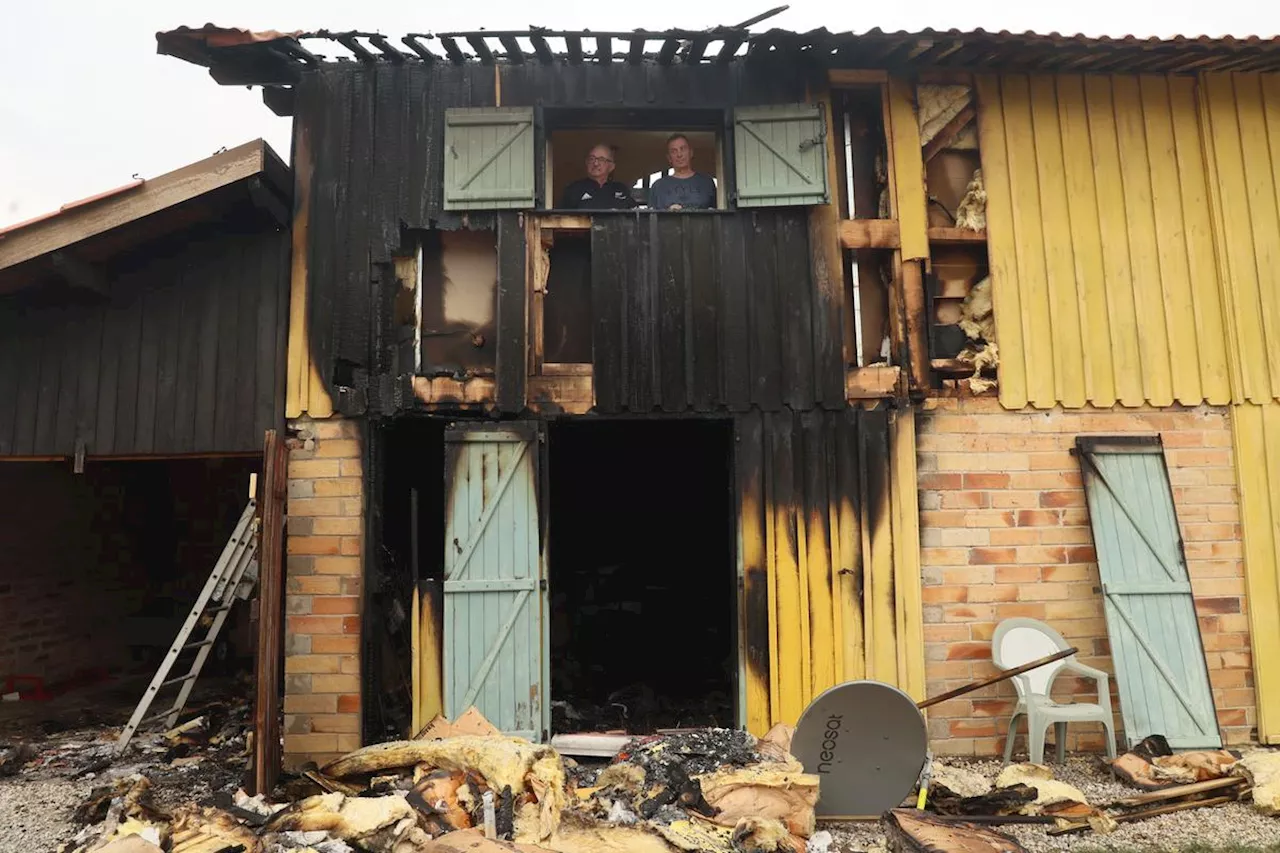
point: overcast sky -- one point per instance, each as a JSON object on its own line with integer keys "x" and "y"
{"x": 86, "y": 102}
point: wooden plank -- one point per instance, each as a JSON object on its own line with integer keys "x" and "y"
{"x": 753, "y": 569}
{"x": 104, "y": 431}
{"x": 168, "y": 306}
{"x": 641, "y": 358}
{"x": 513, "y": 294}
{"x": 874, "y": 381}
{"x": 847, "y": 557}
{"x": 298, "y": 358}
{"x": 857, "y": 76}
{"x": 89, "y": 368}
{"x": 270, "y": 640}
{"x": 1002, "y": 248}
{"x": 907, "y": 584}
{"x": 673, "y": 286}
{"x": 950, "y": 236}
{"x": 52, "y": 343}
{"x": 1153, "y": 334}
{"x": 1179, "y": 791}
{"x": 72, "y": 334}
{"x": 1086, "y": 242}
{"x": 766, "y": 332}
{"x": 142, "y": 199}
{"x": 1263, "y": 214}
{"x": 1237, "y": 258}
{"x": 834, "y": 335}
{"x": 907, "y": 170}
{"x": 944, "y": 138}
{"x": 1271, "y": 106}
{"x": 148, "y": 367}
{"x": 870, "y": 234}
{"x": 252, "y": 287}
{"x": 880, "y": 609}
{"x": 702, "y": 321}
{"x": 188, "y": 320}
{"x": 917, "y": 325}
{"x": 792, "y": 644}
{"x": 734, "y": 310}
{"x": 795, "y": 289}
{"x": 228, "y": 345}
{"x": 824, "y": 638}
{"x": 1117, "y": 267}
{"x": 1171, "y": 240}
{"x": 10, "y": 372}
{"x": 129, "y": 344}
{"x": 608, "y": 283}
{"x": 1063, "y": 299}
{"x": 269, "y": 341}
{"x": 1032, "y": 276}
{"x": 353, "y": 307}
{"x": 1206, "y": 294}
{"x": 207, "y": 359}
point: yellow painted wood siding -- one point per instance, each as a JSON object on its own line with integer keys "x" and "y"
{"x": 1101, "y": 242}
{"x": 1241, "y": 117}
{"x": 1256, "y": 438}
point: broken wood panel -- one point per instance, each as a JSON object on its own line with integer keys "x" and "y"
{"x": 907, "y": 584}
{"x": 764, "y": 299}
{"x": 270, "y": 640}
{"x": 512, "y": 322}
{"x": 460, "y": 271}
{"x": 920, "y": 832}
{"x": 870, "y": 234}
{"x": 608, "y": 326}
{"x": 880, "y": 603}
{"x": 907, "y": 170}
{"x": 791, "y": 658}
{"x": 354, "y": 303}
{"x": 819, "y": 581}
{"x": 844, "y": 480}
{"x": 795, "y": 288}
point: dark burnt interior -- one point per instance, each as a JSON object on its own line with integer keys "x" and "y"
{"x": 641, "y": 574}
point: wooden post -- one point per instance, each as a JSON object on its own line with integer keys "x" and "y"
{"x": 917, "y": 324}
{"x": 267, "y": 754}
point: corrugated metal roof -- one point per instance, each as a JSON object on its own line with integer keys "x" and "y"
{"x": 276, "y": 58}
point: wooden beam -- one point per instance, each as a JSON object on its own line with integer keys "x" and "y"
{"x": 948, "y": 235}
{"x": 266, "y": 706}
{"x": 947, "y": 135}
{"x": 152, "y": 196}
{"x": 913, "y": 301}
{"x": 856, "y": 77}
{"x": 265, "y": 199}
{"x": 873, "y": 382}
{"x": 869, "y": 234}
{"x": 79, "y": 273}
{"x": 565, "y": 222}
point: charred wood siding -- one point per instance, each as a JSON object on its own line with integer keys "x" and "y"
{"x": 377, "y": 144}
{"x": 707, "y": 312}
{"x": 185, "y": 356}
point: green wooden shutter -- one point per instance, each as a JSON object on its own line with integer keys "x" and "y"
{"x": 1151, "y": 615}
{"x": 488, "y": 158}
{"x": 780, "y": 155}
{"x": 493, "y": 600}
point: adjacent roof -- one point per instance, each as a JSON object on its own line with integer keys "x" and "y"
{"x": 277, "y": 59}
{"x": 100, "y": 226}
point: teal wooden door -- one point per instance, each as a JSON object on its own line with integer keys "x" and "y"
{"x": 1151, "y": 616}
{"x": 493, "y": 602}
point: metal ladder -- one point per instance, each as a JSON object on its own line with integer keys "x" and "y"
{"x": 234, "y": 576}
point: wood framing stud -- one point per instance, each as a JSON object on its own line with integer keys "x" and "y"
{"x": 874, "y": 382}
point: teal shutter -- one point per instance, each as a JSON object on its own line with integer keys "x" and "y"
{"x": 492, "y": 578}
{"x": 780, "y": 155}
{"x": 488, "y": 158}
{"x": 1151, "y": 615}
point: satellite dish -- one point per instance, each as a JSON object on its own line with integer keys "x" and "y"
{"x": 866, "y": 741}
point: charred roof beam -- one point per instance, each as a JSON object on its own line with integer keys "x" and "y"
{"x": 451, "y": 49}
{"x": 604, "y": 49}
{"x": 411, "y": 42}
{"x": 541, "y": 48}
{"x": 515, "y": 53}
{"x": 387, "y": 49}
{"x": 481, "y": 47}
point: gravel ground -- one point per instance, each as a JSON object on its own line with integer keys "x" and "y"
{"x": 1234, "y": 826}
{"x": 35, "y": 814}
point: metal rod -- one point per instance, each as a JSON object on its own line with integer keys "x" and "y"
{"x": 996, "y": 679}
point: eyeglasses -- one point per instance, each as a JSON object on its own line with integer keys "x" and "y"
{"x": 594, "y": 159}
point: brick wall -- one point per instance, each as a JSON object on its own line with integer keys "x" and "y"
{"x": 322, "y": 594}
{"x": 1004, "y": 532}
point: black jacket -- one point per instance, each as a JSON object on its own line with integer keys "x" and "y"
{"x": 586, "y": 194}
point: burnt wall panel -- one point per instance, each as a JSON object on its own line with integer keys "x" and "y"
{"x": 511, "y": 336}
{"x": 707, "y": 312}
{"x": 377, "y": 144}
{"x": 184, "y": 356}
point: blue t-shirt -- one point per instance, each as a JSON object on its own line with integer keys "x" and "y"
{"x": 695, "y": 191}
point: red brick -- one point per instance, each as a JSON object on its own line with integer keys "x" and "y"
{"x": 314, "y": 585}
{"x": 1018, "y": 574}
{"x": 313, "y": 545}
{"x": 1062, "y": 499}
{"x": 969, "y": 651}
{"x": 338, "y": 448}
{"x": 986, "y": 480}
{"x": 313, "y": 624}
{"x": 973, "y": 728}
{"x": 991, "y": 556}
{"x": 1218, "y": 605}
{"x": 340, "y": 605}
{"x": 1027, "y": 609}
{"x": 992, "y": 707}
{"x": 337, "y": 565}
{"x": 349, "y": 704}
{"x": 1015, "y": 536}
{"x": 310, "y": 469}
{"x": 1064, "y": 574}
{"x": 351, "y": 624}
{"x": 965, "y": 500}
{"x": 993, "y": 593}
{"x": 335, "y": 644}
{"x": 341, "y": 683}
{"x": 1040, "y": 554}
{"x": 339, "y": 723}
{"x": 1038, "y": 518}
{"x": 944, "y": 482}
{"x": 337, "y": 487}
{"x": 944, "y": 594}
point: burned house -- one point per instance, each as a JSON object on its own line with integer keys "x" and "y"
{"x": 142, "y": 360}
{"x": 640, "y": 469}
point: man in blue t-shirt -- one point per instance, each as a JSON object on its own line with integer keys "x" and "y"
{"x": 683, "y": 189}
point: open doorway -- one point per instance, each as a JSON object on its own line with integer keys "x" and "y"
{"x": 641, "y": 575}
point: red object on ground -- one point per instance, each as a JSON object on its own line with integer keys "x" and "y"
{"x": 28, "y": 686}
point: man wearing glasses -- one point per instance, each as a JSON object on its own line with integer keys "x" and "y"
{"x": 597, "y": 191}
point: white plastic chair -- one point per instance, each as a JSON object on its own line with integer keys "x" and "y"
{"x": 1020, "y": 641}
